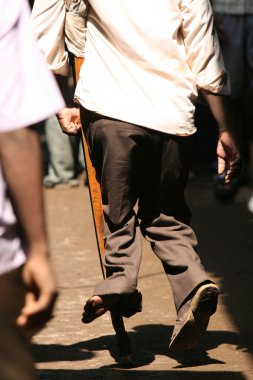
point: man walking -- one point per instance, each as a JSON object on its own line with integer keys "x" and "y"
{"x": 145, "y": 64}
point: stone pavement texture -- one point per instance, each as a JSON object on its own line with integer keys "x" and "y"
{"x": 69, "y": 350}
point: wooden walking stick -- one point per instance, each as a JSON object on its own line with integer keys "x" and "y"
{"x": 97, "y": 212}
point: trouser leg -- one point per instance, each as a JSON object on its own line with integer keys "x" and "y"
{"x": 16, "y": 361}
{"x": 174, "y": 243}
{"x": 165, "y": 218}
{"x": 133, "y": 162}
{"x": 122, "y": 258}
{"x": 115, "y": 152}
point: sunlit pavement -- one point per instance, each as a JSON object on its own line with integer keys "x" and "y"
{"x": 67, "y": 349}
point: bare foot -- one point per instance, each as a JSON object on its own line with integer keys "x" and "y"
{"x": 97, "y": 306}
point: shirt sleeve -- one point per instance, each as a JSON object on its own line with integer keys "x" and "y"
{"x": 29, "y": 92}
{"x": 48, "y": 20}
{"x": 202, "y": 47}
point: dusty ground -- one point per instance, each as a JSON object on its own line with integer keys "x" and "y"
{"x": 68, "y": 350}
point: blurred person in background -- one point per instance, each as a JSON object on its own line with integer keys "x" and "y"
{"x": 234, "y": 23}
{"x": 28, "y": 95}
{"x": 64, "y": 160}
{"x": 62, "y": 155}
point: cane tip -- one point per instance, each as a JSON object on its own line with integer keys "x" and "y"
{"x": 125, "y": 360}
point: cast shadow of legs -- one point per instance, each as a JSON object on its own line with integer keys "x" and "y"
{"x": 147, "y": 341}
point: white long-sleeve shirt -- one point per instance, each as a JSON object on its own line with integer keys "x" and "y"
{"x": 145, "y": 60}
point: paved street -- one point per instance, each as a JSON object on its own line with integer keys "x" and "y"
{"x": 70, "y": 350}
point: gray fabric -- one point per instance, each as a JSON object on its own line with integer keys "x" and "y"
{"x": 174, "y": 243}
{"x": 239, "y": 7}
{"x": 137, "y": 164}
{"x": 75, "y": 26}
{"x": 237, "y": 51}
{"x": 65, "y": 159}
{"x": 61, "y": 162}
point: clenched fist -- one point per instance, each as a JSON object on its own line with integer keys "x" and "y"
{"x": 69, "y": 120}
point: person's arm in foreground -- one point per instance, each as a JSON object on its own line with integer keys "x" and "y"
{"x": 20, "y": 158}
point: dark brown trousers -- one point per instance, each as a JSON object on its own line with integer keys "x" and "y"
{"x": 148, "y": 170}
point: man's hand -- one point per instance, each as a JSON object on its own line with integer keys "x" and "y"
{"x": 229, "y": 159}
{"x": 40, "y": 296}
{"x": 69, "y": 120}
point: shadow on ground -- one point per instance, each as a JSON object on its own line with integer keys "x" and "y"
{"x": 120, "y": 374}
{"x": 225, "y": 234}
{"x": 147, "y": 342}
{"x": 225, "y": 237}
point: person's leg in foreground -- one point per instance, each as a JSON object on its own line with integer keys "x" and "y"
{"x": 16, "y": 361}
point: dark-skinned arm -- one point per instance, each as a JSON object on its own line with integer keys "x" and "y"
{"x": 229, "y": 159}
{"x": 20, "y": 158}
